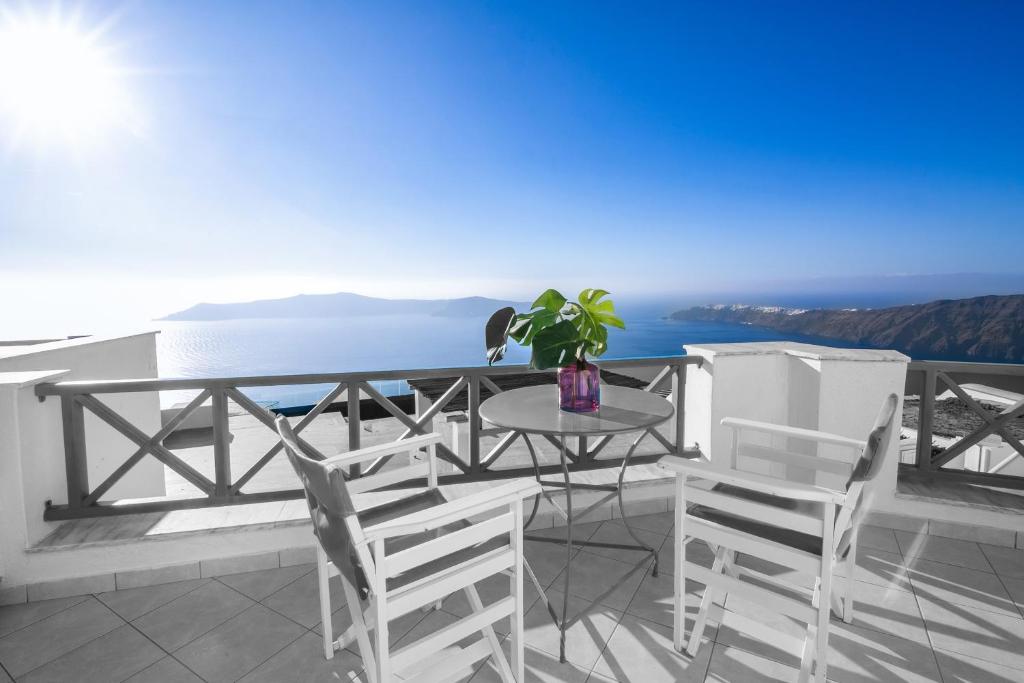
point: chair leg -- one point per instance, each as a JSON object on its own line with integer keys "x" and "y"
{"x": 851, "y": 567}
{"x": 518, "y": 592}
{"x": 710, "y": 594}
{"x": 323, "y": 582}
{"x": 679, "y": 581}
{"x": 807, "y": 657}
{"x": 380, "y": 636}
{"x": 360, "y": 628}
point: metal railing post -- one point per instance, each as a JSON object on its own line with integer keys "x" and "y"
{"x": 221, "y": 444}
{"x": 925, "y": 420}
{"x": 352, "y": 401}
{"x": 474, "y": 423}
{"x": 679, "y": 401}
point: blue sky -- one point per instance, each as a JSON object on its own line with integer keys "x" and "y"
{"x": 456, "y": 148}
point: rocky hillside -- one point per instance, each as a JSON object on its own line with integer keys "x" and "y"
{"x": 983, "y": 328}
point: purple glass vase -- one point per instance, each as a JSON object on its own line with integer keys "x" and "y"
{"x": 579, "y": 387}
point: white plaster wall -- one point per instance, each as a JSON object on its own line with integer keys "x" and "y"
{"x": 801, "y": 385}
{"x": 731, "y": 383}
{"x": 14, "y": 531}
{"x": 95, "y": 359}
{"x": 40, "y": 428}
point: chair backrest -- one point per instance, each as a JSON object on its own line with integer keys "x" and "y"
{"x": 330, "y": 504}
{"x": 864, "y": 471}
{"x": 870, "y": 462}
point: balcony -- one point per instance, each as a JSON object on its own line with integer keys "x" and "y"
{"x": 140, "y": 546}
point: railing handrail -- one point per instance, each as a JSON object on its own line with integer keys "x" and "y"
{"x": 933, "y": 378}
{"x": 228, "y": 488}
{"x": 112, "y": 386}
{"x": 969, "y": 367}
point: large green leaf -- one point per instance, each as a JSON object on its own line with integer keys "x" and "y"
{"x": 591, "y": 296}
{"x": 601, "y": 312}
{"x": 551, "y": 300}
{"x": 555, "y": 346}
{"x": 496, "y": 333}
{"x": 527, "y": 325}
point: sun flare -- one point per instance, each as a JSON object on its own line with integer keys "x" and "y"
{"x": 58, "y": 83}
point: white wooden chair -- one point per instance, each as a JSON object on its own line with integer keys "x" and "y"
{"x": 409, "y": 550}
{"x": 805, "y": 527}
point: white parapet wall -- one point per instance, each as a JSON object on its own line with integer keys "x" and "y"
{"x": 32, "y": 462}
{"x": 801, "y": 385}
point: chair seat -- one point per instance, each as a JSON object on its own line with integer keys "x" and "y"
{"x": 408, "y": 505}
{"x": 809, "y": 543}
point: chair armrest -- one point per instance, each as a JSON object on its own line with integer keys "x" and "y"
{"x": 380, "y": 450}
{"x": 755, "y": 482}
{"x": 453, "y": 511}
{"x": 795, "y": 432}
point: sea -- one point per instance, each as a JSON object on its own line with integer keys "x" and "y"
{"x": 251, "y": 347}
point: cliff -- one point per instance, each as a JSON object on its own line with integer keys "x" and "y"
{"x": 982, "y": 328}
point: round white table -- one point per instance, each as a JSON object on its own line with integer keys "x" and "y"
{"x": 535, "y": 411}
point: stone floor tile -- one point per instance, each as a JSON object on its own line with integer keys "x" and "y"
{"x": 300, "y": 599}
{"x": 1008, "y": 562}
{"x": 584, "y": 640}
{"x": 190, "y": 616}
{"x": 138, "y": 578}
{"x": 640, "y": 650}
{"x": 615, "y": 532}
{"x": 546, "y": 559}
{"x": 239, "y": 645}
{"x": 63, "y": 588}
{"x": 4, "y": 678}
{"x": 303, "y": 662}
{"x": 539, "y": 666}
{"x": 167, "y": 670}
{"x": 958, "y": 668}
{"x": 111, "y": 657}
{"x": 14, "y": 617}
{"x": 697, "y": 552}
{"x": 733, "y": 665}
{"x": 600, "y": 579}
{"x": 239, "y": 565}
{"x": 878, "y": 567}
{"x": 888, "y": 610}
{"x": 860, "y": 655}
{"x": 1015, "y": 587}
{"x": 938, "y": 549}
{"x": 261, "y": 584}
{"x": 960, "y": 586}
{"x": 58, "y": 634}
{"x": 132, "y": 603}
{"x": 879, "y": 538}
{"x": 580, "y": 532}
{"x": 659, "y": 523}
{"x": 655, "y": 599}
{"x": 976, "y": 633}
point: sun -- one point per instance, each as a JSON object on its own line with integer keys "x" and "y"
{"x": 58, "y": 82}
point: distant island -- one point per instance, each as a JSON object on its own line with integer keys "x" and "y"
{"x": 987, "y": 328}
{"x": 343, "y": 304}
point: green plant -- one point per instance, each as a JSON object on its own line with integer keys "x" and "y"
{"x": 557, "y": 331}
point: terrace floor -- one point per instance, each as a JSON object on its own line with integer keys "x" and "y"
{"x": 930, "y": 609}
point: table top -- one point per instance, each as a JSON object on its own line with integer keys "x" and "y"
{"x": 534, "y": 410}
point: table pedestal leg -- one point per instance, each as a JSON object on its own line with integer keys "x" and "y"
{"x": 568, "y": 554}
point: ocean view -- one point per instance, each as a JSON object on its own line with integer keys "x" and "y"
{"x": 235, "y": 348}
